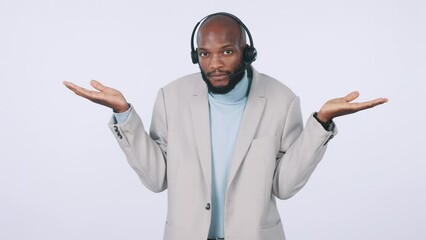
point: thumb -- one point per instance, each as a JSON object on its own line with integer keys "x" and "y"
{"x": 351, "y": 96}
{"x": 98, "y": 86}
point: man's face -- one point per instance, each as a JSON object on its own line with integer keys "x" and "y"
{"x": 220, "y": 54}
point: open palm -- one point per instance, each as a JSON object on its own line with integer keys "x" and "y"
{"x": 106, "y": 96}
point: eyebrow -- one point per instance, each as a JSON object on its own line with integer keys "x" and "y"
{"x": 226, "y": 46}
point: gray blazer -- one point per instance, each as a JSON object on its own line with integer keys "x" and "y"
{"x": 274, "y": 157}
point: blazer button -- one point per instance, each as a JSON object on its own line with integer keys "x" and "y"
{"x": 208, "y": 206}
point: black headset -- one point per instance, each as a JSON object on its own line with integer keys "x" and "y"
{"x": 250, "y": 52}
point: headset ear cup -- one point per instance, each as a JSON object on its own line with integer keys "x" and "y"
{"x": 194, "y": 57}
{"x": 250, "y": 54}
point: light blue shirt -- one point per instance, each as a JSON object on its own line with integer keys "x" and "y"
{"x": 226, "y": 112}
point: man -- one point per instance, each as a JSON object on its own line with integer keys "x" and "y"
{"x": 226, "y": 142}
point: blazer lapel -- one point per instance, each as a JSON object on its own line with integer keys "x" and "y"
{"x": 201, "y": 124}
{"x": 252, "y": 115}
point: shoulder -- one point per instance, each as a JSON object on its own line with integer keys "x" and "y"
{"x": 273, "y": 88}
{"x": 187, "y": 81}
{"x": 183, "y": 87}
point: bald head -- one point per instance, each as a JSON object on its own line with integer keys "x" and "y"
{"x": 221, "y": 28}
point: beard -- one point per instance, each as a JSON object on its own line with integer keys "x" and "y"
{"x": 234, "y": 79}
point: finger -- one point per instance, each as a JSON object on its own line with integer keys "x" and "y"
{"x": 377, "y": 101}
{"x": 369, "y": 104}
{"x": 351, "y": 96}
{"x": 98, "y": 86}
{"x": 91, "y": 95}
{"x": 67, "y": 84}
{"x": 71, "y": 86}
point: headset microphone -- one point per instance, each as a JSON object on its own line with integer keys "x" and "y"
{"x": 241, "y": 71}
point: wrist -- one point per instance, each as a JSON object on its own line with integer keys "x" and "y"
{"x": 320, "y": 116}
{"x": 122, "y": 109}
{"x": 326, "y": 124}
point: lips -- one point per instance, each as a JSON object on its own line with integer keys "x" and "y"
{"x": 218, "y": 76}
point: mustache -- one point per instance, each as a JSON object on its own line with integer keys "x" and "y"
{"x": 218, "y": 73}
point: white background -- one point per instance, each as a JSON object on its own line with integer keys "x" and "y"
{"x": 63, "y": 176}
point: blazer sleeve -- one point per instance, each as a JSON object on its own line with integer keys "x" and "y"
{"x": 145, "y": 153}
{"x": 301, "y": 150}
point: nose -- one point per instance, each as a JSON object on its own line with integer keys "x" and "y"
{"x": 216, "y": 61}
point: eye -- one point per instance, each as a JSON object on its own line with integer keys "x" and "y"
{"x": 227, "y": 52}
{"x": 203, "y": 54}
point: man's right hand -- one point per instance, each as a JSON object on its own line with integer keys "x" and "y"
{"x": 106, "y": 96}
